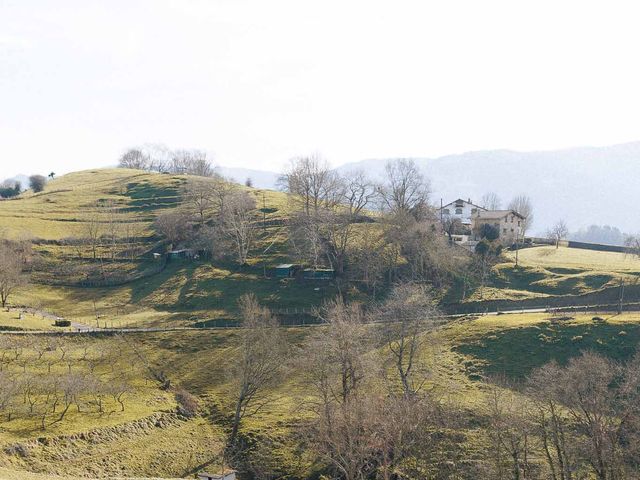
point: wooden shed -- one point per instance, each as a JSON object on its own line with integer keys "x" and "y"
{"x": 318, "y": 274}
{"x": 286, "y": 270}
{"x": 183, "y": 253}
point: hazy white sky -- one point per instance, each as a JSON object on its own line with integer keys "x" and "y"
{"x": 256, "y": 82}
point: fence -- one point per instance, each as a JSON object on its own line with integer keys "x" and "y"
{"x": 583, "y": 245}
{"x": 607, "y": 296}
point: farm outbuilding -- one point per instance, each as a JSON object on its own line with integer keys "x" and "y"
{"x": 287, "y": 270}
{"x": 183, "y": 253}
{"x": 318, "y": 274}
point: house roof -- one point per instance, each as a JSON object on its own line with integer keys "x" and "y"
{"x": 464, "y": 201}
{"x": 495, "y": 214}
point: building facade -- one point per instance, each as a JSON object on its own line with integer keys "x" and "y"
{"x": 463, "y": 210}
{"x": 508, "y": 224}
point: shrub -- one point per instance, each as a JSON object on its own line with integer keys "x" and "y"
{"x": 36, "y": 182}
{"x": 187, "y": 403}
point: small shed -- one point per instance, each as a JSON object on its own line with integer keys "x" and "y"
{"x": 183, "y": 253}
{"x": 318, "y": 274}
{"x": 286, "y": 270}
{"x": 228, "y": 475}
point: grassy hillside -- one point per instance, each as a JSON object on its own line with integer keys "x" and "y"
{"x": 193, "y": 293}
{"x": 147, "y": 439}
{"x": 185, "y": 292}
{"x": 546, "y": 271}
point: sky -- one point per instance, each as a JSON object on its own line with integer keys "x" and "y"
{"x": 257, "y": 82}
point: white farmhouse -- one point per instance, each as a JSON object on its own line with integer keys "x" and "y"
{"x": 463, "y": 210}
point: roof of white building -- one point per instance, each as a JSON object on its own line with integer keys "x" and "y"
{"x": 463, "y": 201}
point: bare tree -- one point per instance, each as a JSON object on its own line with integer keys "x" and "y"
{"x": 92, "y": 231}
{"x": 409, "y": 313}
{"x": 355, "y": 192}
{"x": 491, "y": 201}
{"x": 199, "y": 196}
{"x": 522, "y": 205}
{"x": 311, "y": 180}
{"x": 8, "y": 391}
{"x": 174, "y": 226}
{"x": 259, "y": 364}
{"x": 239, "y": 223}
{"x": 345, "y": 421}
{"x": 135, "y": 158}
{"x": 632, "y": 245}
{"x": 11, "y": 274}
{"x": 406, "y": 189}
{"x": 452, "y": 226}
{"x": 557, "y": 232}
{"x": 509, "y": 432}
{"x": 553, "y": 426}
{"x": 369, "y": 259}
{"x": 191, "y": 162}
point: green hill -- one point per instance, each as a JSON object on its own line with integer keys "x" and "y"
{"x": 185, "y": 292}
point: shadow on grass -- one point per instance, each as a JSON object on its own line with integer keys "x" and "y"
{"x": 192, "y": 286}
{"x": 516, "y": 352}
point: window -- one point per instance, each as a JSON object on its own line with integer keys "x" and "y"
{"x": 458, "y": 211}
{"x": 511, "y": 219}
{"x": 518, "y": 222}
{"x": 474, "y": 210}
{"x": 512, "y": 230}
{"x": 446, "y": 211}
{"x": 504, "y": 230}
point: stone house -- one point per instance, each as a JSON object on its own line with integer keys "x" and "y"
{"x": 509, "y": 224}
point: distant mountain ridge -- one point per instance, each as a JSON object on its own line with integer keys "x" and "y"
{"x": 583, "y": 186}
{"x": 259, "y": 178}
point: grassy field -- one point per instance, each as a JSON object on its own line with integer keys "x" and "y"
{"x": 185, "y": 293}
{"x": 546, "y": 271}
{"x": 468, "y": 353}
{"x": 515, "y": 344}
{"x": 11, "y": 321}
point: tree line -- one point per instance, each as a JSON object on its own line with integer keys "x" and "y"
{"x": 157, "y": 158}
